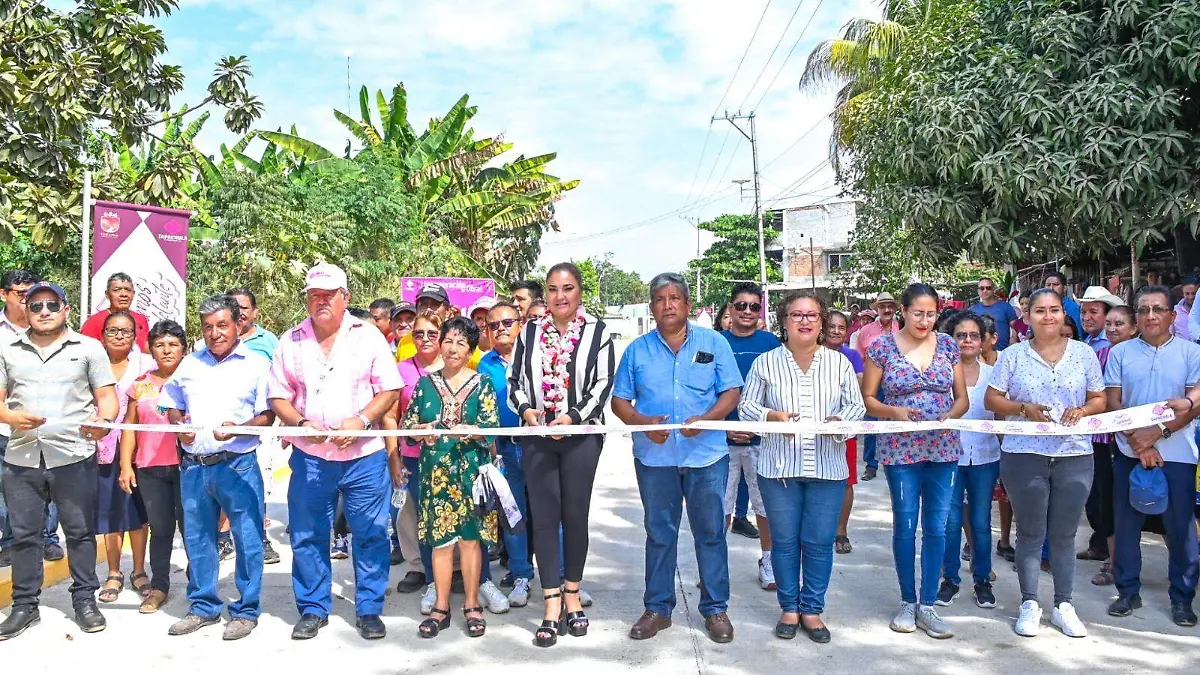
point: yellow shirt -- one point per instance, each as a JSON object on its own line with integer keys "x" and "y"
{"x": 406, "y": 349}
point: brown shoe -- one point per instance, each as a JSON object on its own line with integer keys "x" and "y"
{"x": 649, "y": 625}
{"x": 719, "y": 628}
{"x": 153, "y": 602}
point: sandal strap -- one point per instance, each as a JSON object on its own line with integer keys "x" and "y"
{"x": 116, "y": 576}
{"x": 570, "y": 592}
{"x": 439, "y": 610}
{"x": 468, "y": 610}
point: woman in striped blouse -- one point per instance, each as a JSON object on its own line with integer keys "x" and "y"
{"x": 803, "y": 476}
{"x": 561, "y": 375}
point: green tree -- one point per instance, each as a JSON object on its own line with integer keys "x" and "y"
{"x": 619, "y": 287}
{"x": 732, "y": 258}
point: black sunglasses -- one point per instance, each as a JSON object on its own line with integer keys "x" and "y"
{"x": 51, "y": 306}
{"x": 753, "y": 306}
{"x": 495, "y": 325}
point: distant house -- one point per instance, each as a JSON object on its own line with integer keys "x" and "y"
{"x": 813, "y": 246}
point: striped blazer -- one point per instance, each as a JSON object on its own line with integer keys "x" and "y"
{"x": 591, "y": 368}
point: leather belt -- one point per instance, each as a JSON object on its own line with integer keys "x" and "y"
{"x": 214, "y": 458}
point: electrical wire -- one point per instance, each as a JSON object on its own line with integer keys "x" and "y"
{"x": 774, "y": 49}
{"x": 789, "y": 54}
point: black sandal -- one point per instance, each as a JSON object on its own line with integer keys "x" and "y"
{"x": 475, "y": 627}
{"x": 144, "y": 589}
{"x": 111, "y": 594}
{"x": 429, "y": 628}
{"x": 841, "y": 544}
{"x": 547, "y": 634}
{"x": 786, "y": 631}
{"x": 577, "y": 622}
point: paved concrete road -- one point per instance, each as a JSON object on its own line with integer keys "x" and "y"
{"x": 862, "y": 598}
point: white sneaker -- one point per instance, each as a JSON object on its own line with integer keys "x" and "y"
{"x": 519, "y": 597}
{"x": 585, "y": 600}
{"x": 1068, "y": 622}
{"x": 1029, "y": 619}
{"x": 492, "y": 598}
{"x": 766, "y": 573}
{"x": 428, "y": 599}
{"x": 905, "y": 620}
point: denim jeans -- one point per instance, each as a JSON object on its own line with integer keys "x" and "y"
{"x": 50, "y": 534}
{"x": 977, "y": 482}
{"x": 869, "y": 455}
{"x": 664, "y": 490}
{"x": 921, "y": 489}
{"x": 742, "y": 508}
{"x": 366, "y": 488}
{"x": 413, "y": 465}
{"x": 517, "y": 544}
{"x": 235, "y": 487}
{"x": 1182, "y": 567}
{"x": 803, "y": 513}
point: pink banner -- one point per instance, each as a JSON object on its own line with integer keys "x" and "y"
{"x": 462, "y": 292}
{"x": 149, "y": 243}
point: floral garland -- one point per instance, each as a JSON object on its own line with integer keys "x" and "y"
{"x": 556, "y": 358}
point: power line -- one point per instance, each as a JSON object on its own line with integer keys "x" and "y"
{"x": 797, "y": 141}
{"x": 699, "y": 163}
{"x": 789, "y": 54}
{"x": 772, "y": 56}
{"x": 800, "y": 181}
{"x": 649, "y": 221}
{"x": 716, "y": 162}
{"x": 743, "y": 59}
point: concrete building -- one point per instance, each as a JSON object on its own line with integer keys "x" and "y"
{"x": 813, "y": 245}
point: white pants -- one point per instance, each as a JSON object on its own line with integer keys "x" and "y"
{"x": 742, "y": 461}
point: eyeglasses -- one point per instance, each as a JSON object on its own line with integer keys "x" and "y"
{"x": 51, "y": 306}
{"x": 804, "y": 317}
{"x": 968, "y": 336}
{"x": 495, "y": 325}
{"x": 743, "y": 306}
{"x": 119, "y": 332}
{"x": 1155, "y": 309}
{"x": 923, "y": 315}
{"x": 986, "y": 288}
{"x": 425, "y": 334}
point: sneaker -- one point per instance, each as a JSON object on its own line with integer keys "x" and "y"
{"x": 870, "y": 474}
{"x": 905, "y": 620}
{"x": 744, "y": 527}
{"x": 341, "y": 548}
{"x": 397, "y": 557}
{"x": 1182, "y": 614}
{"x": 1124, "y": 605}
{"x": 1029, "y": 619}
{"x": 933, "y": 625}
{"x": 585, "y": 600}
{"x": 52, "y": 552}
{"x": 270, "y": 557}
{"x": 984, "y": 597}
{"x": 946, "y": 594}
{"x": 766, "y": 574}
{"x": 519, "y": 597}
{"x": 508, "y": 581}
{"x": 1067, "y": 620}
{"x": 492, "y": 598}
{"x": 428, "y": 599}
{"x": 225, "y": 549}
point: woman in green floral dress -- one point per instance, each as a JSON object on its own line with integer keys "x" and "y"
{"x": 455, "y": 397}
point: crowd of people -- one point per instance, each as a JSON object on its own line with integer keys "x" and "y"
{"x": 537, "y": 358}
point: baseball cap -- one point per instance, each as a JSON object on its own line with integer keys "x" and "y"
{"x": 325, "y": 277}
{"x": 47, "y": 286}
{"x": 486, "y": 302}
{"x": 402, "y": 308}
{"x": 434, "y": 292}
{"x": 1148, "y": 490}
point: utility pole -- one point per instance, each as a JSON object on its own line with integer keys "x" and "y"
{"x": 696, "y": 223}
{"x": 753, "y": 138}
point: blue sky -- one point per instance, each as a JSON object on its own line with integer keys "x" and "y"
{"x": 622, "y": 89}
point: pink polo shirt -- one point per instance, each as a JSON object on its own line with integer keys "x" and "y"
{"x": 329, "y": 390}
{"x": 872, "y": 332}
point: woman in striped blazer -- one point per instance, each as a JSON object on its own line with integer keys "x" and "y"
{"x": 561, "y": 375}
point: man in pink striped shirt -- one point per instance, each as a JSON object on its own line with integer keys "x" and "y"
{"x": 334, "y": 372}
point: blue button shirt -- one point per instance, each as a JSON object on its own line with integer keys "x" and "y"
{"x": 1148, "y": 374}
{"x": 683, "y": 385}
{"x": 495, "y": 368}
{"x": 213, "y": 392}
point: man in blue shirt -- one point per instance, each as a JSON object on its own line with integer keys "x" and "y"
{"x": 995, "y": 307}
{"x": 747, "y": 343}
{"x": 677, "y": 374}
{"x": 224, "y": 384}
{"x": 1155, "y": 367}
{"x": 1057, "y": 282}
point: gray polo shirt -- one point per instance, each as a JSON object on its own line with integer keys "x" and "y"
{"x": 57, "y": 384}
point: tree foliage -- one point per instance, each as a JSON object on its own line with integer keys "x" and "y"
{"x": 732, "y": 258}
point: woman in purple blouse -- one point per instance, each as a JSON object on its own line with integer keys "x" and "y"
{"x": 917, "y": 371}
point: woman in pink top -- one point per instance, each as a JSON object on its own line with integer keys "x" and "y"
{"x": 118, "y": 511}
{"x": 150, "y": 459}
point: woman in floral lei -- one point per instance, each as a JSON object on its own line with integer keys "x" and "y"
{"x": 561, "y": 377}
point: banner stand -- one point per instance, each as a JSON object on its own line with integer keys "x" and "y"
{"x": 85, "y": 249}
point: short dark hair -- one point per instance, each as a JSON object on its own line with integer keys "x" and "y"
{"x": 538, "y": 302}
{"x": 463, "y": 325}
{"x": 915, "y": 291}
{"x": 1044, "y": 291}
{"x": 988, "y": 323}
{"x": 215, "y": 303}
{"x": 1069, "y": 322}
{"x": 121, "y": 315}
{"x": 168, "y": 328}
{"x": 532, "y": 285}
{"x": 382, "y": 303}
{"x": 360, "y": 313}
{"x": 569, "y": 268}
{"x": 1153, "y": 290}
{"x": 505, "y": 305}
{"x": 746, "y": 287}
{"x": 18, "y": 278}
{"x": 804, "y": 294}
{"x": 118, "y": 276}
{"x": 1056, "y": 275}
{"x": 952, "y": 323}
{"x": 246, "y": 292}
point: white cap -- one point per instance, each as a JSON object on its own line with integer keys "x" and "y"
{"x": 325, "y": 277}
{"x": 486, "y": 302}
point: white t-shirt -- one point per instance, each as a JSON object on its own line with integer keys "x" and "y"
{"x": 978, "y": 447}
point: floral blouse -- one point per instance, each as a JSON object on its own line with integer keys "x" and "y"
{"x": 930, "y": 393}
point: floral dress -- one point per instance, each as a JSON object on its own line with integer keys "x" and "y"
{"x": 930, "y": 393}
{"x": 446, "y": 512}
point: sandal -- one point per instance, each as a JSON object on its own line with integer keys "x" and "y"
{"x": 547, "y": 634}
{"x": 144, "y": 589}
{"x": 429, "y": 628}
{"x": 111, "y": 594}
{"x": 476, "y": 626}
{"x": 841, "y": 544}
{"x": 1105, "y": 576}
{"x": 1089, "y": 554}
{"x": 577, "y": 622}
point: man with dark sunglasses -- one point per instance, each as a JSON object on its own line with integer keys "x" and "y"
{"x": 51, "y": 372}
{"x": 994, "y": 306}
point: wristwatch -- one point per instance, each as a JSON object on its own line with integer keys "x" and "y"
{"x": 1166, "y": 433}
{"x": 365, "y": 420}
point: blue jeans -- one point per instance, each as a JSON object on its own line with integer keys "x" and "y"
{"x": 742, "y": 508}
{"x": 913, "y": 486}
{"x": 517, "y": 544}
{"x": 977, "y": 483}
{"x": 366, "y": 488}
{"x": 51, "y": 531}
{"x": 413, "y": 465}
{"x": 1182, "y": 566}
{"x": 235, "y": 487}
{"x": 664, "y": 489}
{"x": 803, "y": 513}
{"x": 869, "y": 457}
